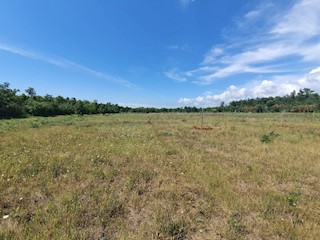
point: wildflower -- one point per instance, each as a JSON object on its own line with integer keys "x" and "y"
{"x": 5, "y": 217}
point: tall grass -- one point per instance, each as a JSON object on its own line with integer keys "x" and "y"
{"x": 156, "y": 176}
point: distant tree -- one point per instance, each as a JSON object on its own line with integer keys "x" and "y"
{"x": 221, "y": 108}
{"x": 260, "y": 108}
{"x": 48, "y": 98}
{"x": 31, "y": 92}
{"x": 293, "y": 94}
{"x": 11, "y": 106}
{"x": 79, "y": 108}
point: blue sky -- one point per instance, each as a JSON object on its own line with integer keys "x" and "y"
{"x": 166, "y": 53}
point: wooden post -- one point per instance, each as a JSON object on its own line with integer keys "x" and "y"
{"x": 201, "y": 118}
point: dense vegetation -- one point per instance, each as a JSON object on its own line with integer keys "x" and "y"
{"x": 20, "y": 105}
{"x": 306, "y": 100}
{"x": 14, "y": 105}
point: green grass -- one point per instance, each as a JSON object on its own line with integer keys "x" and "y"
{"x": 156, "y": 176}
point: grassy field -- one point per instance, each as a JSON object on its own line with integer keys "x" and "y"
{"x": 159, "y": 176}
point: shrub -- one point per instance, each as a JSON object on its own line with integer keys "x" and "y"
{"x": 269, "y": 137}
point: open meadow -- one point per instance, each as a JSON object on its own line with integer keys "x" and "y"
{"x": 160, "y": 176}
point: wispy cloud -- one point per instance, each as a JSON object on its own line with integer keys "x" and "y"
{"x": 301, "y": 21}
{"x": 185, "y": 3}
{"x": 291, "y": 38}
{"x": 278, "y": 54}
{"x": 252, "y": 14}
{"x": 63, "y": 63}
{"x": 175, "y": 75}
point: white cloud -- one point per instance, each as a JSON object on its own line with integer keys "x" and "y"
{"x": 63, "y": 63}
{"x": 279, "y": 85}
{"x": 214, "y": 100}
{"x": 302, "y": 20}
{"x": 315, "y": 71}
{"x": 292, "y": 39}
{"x": 212, "y": 55}
{"x": 174, "y": 74}
{"x": 258, "y": 12}
{"x": 253, "y": 14}
{"x": 186, "y": 101}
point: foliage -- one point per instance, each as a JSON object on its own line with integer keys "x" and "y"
{"x": 10, "y": 103}
{"x": 305, "y": 100}
{"x": 13, "y": 105}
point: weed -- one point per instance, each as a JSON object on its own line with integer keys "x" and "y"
{"x": 250, "y": 167}
{"x": 146, "y": 175}
{"x": 176, "y": 230}
{"x": 67, "y": 123}
{"x": 112, "y": 209}
{"x": 268, "y": 138}
{"x": 58, "y": 169}
{"x": 294, "y": 198}
{"x": 136, "y": 178}
{"x": 166, "y": 133}
{"x": 269, "y": 211}
{"x": 98, "y": 159}
{"x": 32, "y": 169}
{"x": 100, "y": 174}
{"x": 235, "y": 224}
{"x": 35, "y": 125}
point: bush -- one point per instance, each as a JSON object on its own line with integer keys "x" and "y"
{"x": 269, "y": 137}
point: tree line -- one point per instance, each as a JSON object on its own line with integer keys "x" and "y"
{"x": 305, "y": 100}
{"x": 15, "y": 105}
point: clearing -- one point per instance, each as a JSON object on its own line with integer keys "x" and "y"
{"x": 161, "y": 176}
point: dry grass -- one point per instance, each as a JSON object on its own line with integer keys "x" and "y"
{"x": 132, "y": 176}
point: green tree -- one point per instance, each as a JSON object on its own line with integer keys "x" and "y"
{"x": 10, "y": 104}
{"x": 31, "y": 92}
